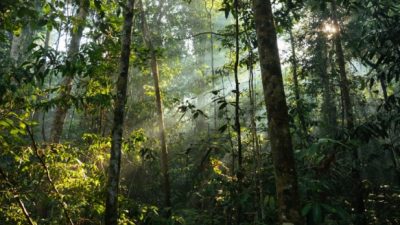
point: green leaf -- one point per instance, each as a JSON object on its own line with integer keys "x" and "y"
{"x": 215, "y": 92}
{"x": 47, "y": 9}
{"x": 317, "y": 213}
{"x": 306, "y": 209}
{"x": 17, "y": 31}
{"x": 97, "y": 4}
{"x": 226, "y": 13}
{"x": 223, "y": 128}
{"x": 22, "y": 125}
{"x": 4, "y": 124}
{"x": 195, "y": 115}
{"x": 223, "y": 105}
{"x": 14, "y": 132}
{"x": 279, "y": 29}
{"x": 342, "y": 213}
{"x": 328, "y": 140}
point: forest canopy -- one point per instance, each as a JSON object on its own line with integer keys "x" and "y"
{"x": 199, "y": 112}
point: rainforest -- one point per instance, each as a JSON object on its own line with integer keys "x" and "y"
{"x": 199, "y": 112}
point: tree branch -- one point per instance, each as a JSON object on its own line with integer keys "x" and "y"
{"x": 204, "y": 33}
{"x": 20, "y": 202}
{"x": 46, "y": 169}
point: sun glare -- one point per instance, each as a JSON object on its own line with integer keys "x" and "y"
{"x": 329, "y": 28}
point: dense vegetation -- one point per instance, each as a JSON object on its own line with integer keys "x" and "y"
{"x": 200, "y": 112}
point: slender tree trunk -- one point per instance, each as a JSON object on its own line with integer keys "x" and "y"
{"x": 20, "y": 44}
{"x": 344, "y": 83}
{"x": 237, "y": 90}
{"x": 328, "y": 105}
{"x": 296, "y": 86}
{"x": 212, "y": 58}
{"x": 255, "y": 141}
{"x": 278, "y": 119}
{"x": 357, "y": 190}
{"x": 383, "y": 82}
{"x": 239, "y": 173}
{"x": 111, "y": 212}
{"x": 228, "y": 123}
{"x": 161, "y": 126}
{"x": 66, "y": 85}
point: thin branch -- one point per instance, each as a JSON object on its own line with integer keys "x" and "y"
{"x": 205, "y": 33}
{"x": 20, "y": 202}
{"x": 46, "y": 169}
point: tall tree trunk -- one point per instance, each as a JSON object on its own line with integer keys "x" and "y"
{"x": 357, "y": 189}
{"x": 328, "y": 104}
{"x": 278, "y": 118}
{"x": 296, "y": 86}
{"x": 210, "y": 21}
{"x": 20, "y": 44}
{"x": 259, "y": 198}
{"x": 161, "y": 126}
{"x": 239, "y": 173}
{"x": 66, "y": 84}
{"x": 237, "y": 90}
{"x": 344, "y": 83}
{"x": 111, "y": 212}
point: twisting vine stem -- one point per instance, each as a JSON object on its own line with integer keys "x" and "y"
{"x": 48, "y": 175}
{"x": 237, "y": 105}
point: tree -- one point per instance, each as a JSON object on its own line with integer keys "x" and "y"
{"x": 298, "y": 99}
{"x": 161, "y": 126}
{"x": 278, "y": 119}
{"x": 357, "y": 190}
{"x": 111, "y": 213}
{"x": 328, "y": 107}
{"x": 66, "y": 84}
{"x": 220, "y": 168}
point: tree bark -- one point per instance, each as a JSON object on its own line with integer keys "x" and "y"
{"x": 383, "y": 82}
{"x": 357, "y": 189}
{"x": 161, "y": 126}
{"x": 328, "y": 104}
{"x": 278, "y": 120}
{"x": 344, "y": 83}
{"x": 239, "y": 173}
{"x": 212, "y": 58}
{"x": 111, "y": 212}
{"x": 296, "y": 86}
{"x": 20, "y": 44}
{"x": 66, "y": 84}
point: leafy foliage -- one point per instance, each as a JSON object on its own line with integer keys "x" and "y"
{"x": 50, "y": 183}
